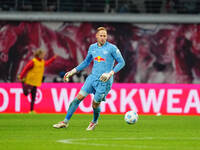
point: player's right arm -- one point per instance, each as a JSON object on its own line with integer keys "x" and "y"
{"x": 86, "y": 62}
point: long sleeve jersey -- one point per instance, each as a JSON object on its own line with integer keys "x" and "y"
{"x": 104, "y": 58}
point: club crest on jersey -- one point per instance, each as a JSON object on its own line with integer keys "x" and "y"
{"x": 105, "y": 52}
{"x": 99, "y": 59}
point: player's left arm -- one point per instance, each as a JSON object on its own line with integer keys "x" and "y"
{"x": 120, "y": 64}
{"x": 49, "y": 61}
{"x": 120, "y": 60}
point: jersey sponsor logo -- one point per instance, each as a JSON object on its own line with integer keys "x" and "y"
{"x": 99, "y": 59}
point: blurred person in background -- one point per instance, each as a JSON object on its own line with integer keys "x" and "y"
{"x": 32, "y": 75}
{"x": 99, "y": 82}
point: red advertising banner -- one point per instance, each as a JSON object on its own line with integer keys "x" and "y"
{"x": 167, "y": 99}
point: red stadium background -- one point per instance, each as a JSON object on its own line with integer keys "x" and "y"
{"x": 154, "y": 53}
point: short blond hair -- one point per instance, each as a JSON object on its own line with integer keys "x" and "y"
{"x": 38, "y": 52}
{"x": 101, "y": 28}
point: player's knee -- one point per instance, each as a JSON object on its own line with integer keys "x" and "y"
{"x": 80, "y": 97}
{"x": 95, "y": 104}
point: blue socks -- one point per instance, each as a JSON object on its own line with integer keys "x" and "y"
{"x": 96, "y": 113}
{"x": 72, "y": 108}
{"x": 74, "y": 105}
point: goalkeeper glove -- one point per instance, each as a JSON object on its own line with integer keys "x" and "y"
{"x": 106, "y": 76}
{"x": 69, "y": 74}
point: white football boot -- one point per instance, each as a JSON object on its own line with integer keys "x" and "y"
{"x": 91, "y": 126}
{"x": 61, "y": 125}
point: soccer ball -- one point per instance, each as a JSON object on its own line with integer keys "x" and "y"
{"x": 131, "y": 117}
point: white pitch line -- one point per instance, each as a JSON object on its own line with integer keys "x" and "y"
{"x": 83, "y": 141}
{"x": 73, "y": 141}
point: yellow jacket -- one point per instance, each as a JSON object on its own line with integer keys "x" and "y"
{"x": 35, "y": 75}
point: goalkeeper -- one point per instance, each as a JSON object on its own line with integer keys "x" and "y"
{"x": 99, "y": 82}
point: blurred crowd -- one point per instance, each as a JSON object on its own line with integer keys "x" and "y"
{"x": 104, "y": 6}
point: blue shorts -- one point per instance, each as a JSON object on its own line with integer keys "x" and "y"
{"x": 98, "y": 88}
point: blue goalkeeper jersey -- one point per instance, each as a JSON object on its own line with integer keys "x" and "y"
{"x": 104, "y": 59}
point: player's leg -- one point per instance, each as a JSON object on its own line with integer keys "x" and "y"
{"x": 25, "y": 88}
{"x": 85, "y": 90}
{"x": 72, "y": 108}
{"x": 102, "y": 90}
{"x": 96, "y": 110}
{"x": 33, "y": 95}
{"x": 96, "y": 113}
{"x": 74, "y": 105}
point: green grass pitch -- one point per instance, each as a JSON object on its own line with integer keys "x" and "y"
{"x": 35, "y": 132}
